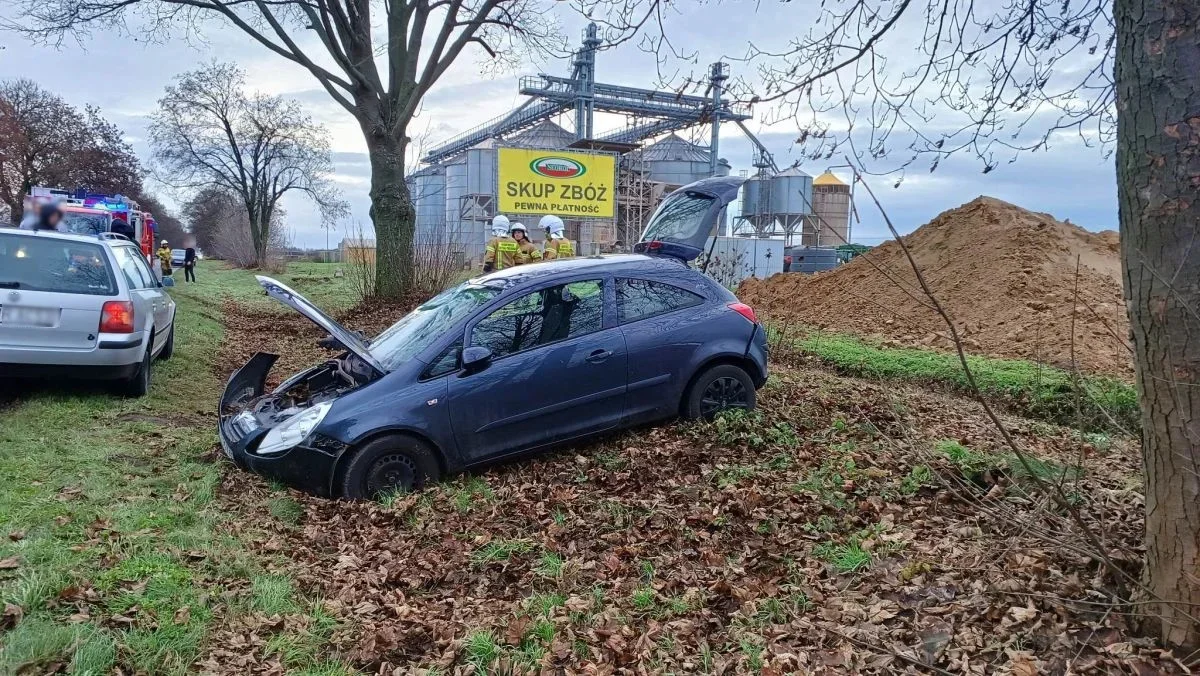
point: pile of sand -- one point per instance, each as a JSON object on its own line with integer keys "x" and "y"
{"x": 1006, "y": 275}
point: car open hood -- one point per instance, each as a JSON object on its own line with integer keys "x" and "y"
{"x": 685, "y": 220}
{"x": 282, "y": 293}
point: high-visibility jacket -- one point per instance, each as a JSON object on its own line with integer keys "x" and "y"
{"x": 501, "y": 252}
{"x": 558, "y": 248}
{"x": 528, "y": 253}
{"x": 164, "y": 256}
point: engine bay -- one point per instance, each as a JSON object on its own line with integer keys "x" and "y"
{"x": 325, "y": 382}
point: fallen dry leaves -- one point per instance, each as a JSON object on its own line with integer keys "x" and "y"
{"x": 688, "y": 549}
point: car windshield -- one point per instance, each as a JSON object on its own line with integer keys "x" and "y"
{"x": 84, "y": 224}
{"x": 420, "y": 328}
{"x": 32, "y": 263}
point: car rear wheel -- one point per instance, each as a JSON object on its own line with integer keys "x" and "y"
{"x": 139, "y": 384}
{"x": 169, "y": 346}
{"x": 719, "y": 388}
{"x": 389, "y": 465}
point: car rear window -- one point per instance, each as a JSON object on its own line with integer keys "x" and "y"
{"x": 36, "y": 263}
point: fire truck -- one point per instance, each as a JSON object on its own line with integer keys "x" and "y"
{"x": 93, "y": 213}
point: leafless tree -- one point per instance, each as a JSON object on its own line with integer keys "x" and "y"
{"x": 167, "y": 225}
{"x": 207, "y": 212}
{"x": 46, "y": 141}
{"x": 375, "y": 58}
{"x": 208, "y": 131}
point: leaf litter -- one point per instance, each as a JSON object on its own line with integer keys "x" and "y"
{"x": 824, "y": 533}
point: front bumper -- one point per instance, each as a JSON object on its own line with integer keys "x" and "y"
{"x": 309, "y": 467}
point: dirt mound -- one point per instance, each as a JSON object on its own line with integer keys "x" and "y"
{"x": 1005, "y": 274}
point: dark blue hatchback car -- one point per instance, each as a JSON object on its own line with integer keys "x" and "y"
{"x": 512, "y": 362}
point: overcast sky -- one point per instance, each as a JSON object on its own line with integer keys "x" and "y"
{"x": 125, "y": 78}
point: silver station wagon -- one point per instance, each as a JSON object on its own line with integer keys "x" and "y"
{"x": 81, "y": 306}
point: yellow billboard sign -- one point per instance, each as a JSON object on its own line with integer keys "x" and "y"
{"x": 563, "y": 183}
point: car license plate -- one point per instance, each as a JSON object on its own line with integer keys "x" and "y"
{"x": 17, "y": 315}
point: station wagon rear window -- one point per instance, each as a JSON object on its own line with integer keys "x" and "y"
{"x": 34, "y": 263}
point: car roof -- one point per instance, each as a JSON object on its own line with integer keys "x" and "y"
{"x": 68, "y": 236}
{"x": 606, "y": 263}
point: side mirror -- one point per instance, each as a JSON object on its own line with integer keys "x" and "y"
{"x": 476, "y": 359}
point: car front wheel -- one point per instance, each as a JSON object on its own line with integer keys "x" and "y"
{"x": 396, "y": 464}
{"x": 719, "y": 388}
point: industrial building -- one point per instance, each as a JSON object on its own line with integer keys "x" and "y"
{"x": 456, "y": 190}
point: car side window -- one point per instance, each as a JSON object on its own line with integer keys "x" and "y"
{"x": 151, "y": 280}
{"x": 640, "y": 299}
{"x": 446, "y": 362}
{"x": 542, "y": 317}
{"x": 136, "y": 275}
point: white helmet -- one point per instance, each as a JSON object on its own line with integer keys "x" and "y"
{"x": 521, "y": 227}
{"x": 164, "y": 243}
{"x": 552, "y": 224}
{"x": 500, "y": 225}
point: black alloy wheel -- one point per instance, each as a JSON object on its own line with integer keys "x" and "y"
{"x": 717, "y": 388}
{"x": 723, "y": 393}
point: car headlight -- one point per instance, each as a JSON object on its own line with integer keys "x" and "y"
{"x": 294, "y": 430}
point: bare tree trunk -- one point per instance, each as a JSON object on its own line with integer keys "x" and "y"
{"x": 394, "y": 217}
{"x": 1158, "y": 188}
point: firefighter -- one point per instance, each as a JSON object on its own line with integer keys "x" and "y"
{"x": 502, "y": 250}
{"x": 556, "y": 246}
{"x": 164, "y": 257}
{"x": 528, "y": 253}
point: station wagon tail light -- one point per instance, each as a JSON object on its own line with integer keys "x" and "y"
{"x": 654, "y": 245}
{"x": 116, "y": 317}
{"x": 745, "y": 311}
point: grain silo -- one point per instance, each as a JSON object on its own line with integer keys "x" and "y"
{"x": 428, "y": 190}
{"x": 791, "y": 200}
{"x": 829, "y": 224}
{"x": 676, "y": 162}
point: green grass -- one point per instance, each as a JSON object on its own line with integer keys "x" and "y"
{"x": 286, "y": 509}
{"x": 117, "y": 497}
{"x": 500, "y": 550}
{"x": 550, "y": 565}
{"x": 316, "y": 281}
{"x": 970, "y": 462}
{"x": 845, "y": 558}
{"x": 973, "y": 464}
{"x": 1029, "y": 389}
{"x": 481, "y": 649}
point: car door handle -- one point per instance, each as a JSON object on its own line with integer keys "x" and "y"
{"x": 599, "y": 356}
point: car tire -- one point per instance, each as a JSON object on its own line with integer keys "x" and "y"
{"x": 169, "y": 346}
{"x": 392, "y": 463}
{"x": 718, "y": 388}
{"x": 139, "y": 384}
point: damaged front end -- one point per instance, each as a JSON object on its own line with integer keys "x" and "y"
{"x": 276, "y": 434}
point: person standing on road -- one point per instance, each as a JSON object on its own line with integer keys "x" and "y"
{"x": 556, "y": 245}
{"x": 189, "y": 264}
{"x": 501, "y": 251}
{"x": 527, "y": 252}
